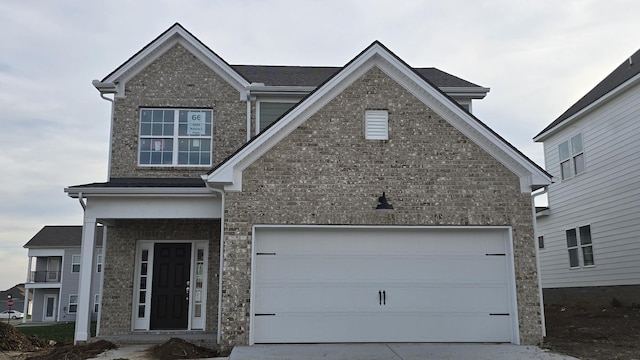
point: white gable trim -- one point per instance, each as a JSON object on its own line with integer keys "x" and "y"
{"x": 174, "y": 36}
{"x": 229, "y": 174}
{"x": 589, "y": 108}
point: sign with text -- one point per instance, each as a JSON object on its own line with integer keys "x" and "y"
{"x": 196, "y": 123}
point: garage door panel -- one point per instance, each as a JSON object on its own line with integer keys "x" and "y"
{"x": 363, "y": 268}
{"x": 326, "y": 284}
{"x": 390, "y": 327}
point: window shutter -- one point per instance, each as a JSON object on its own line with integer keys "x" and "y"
{"x": 376, "y": 125}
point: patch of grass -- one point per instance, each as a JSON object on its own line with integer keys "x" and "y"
{"x": 62, "y": 333}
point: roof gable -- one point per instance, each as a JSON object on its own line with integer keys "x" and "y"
{"x": 61, "y": 236}
{"x": 229, "y": 173}
{"x": 625, "y": 75}
{"x": 176, "y": 34}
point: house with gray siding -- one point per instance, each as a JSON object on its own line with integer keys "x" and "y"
{"x": 53, "y": 275}
{"x": 299, "y": 204}
{"x": 589, "y": 247}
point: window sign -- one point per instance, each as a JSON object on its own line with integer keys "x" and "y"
{"x": 196, "y": 123}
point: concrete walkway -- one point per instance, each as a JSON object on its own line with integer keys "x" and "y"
{"x": 394, "y": 351}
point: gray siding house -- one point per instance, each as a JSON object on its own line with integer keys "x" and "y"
{"x": 285, "y": 204}
{"x": 590, "y": 251}
{"x": 53, "y": 274}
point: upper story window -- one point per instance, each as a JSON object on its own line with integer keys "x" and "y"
{"x": 175, "y": 137}
{"x": 75, "y": 263}
{"x": 571, "y": 154}
{"x": 99, "y": 263}
{"x": 268, "y": 112}
{"x": 580, "y": 247}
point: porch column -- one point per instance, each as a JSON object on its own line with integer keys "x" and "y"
{"x": 83, "y": 314}
{"x": 26, "y": 291}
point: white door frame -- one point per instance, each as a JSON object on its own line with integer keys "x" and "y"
{"x": 515, "y": 336}
{"x": 195, "y": 322}
{"x": 44, "y": 307}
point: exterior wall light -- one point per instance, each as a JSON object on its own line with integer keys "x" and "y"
{"x": 383, "y": 204}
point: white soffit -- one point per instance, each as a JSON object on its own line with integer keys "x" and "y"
{"x": 229, "y": 173}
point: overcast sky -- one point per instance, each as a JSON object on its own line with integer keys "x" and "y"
{"x": 538, "y": 58}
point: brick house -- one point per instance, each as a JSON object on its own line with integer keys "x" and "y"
{"x": 269, "y": 204}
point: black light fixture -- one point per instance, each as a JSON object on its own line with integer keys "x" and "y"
{"x": 383, "y": 204}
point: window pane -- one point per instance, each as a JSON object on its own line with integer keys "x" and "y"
{"x": 572, "y": 240}
{"x": 271, "y": 111}
{"x": 73, "y": 299}
{"x": 585, "y": 235}
{"x": 541, "y": 242}
{"x": 141, "y": 311}
{"x": 587, "y": 255}
{"x": 145, "y": 129}
{"x": 565, "y": 169}
{"x": 143, "y": 269}
{"x": 142, "y": 297}
{"x": 143, "y": 282}
{"x": 578, "y": 163}
{"x": 145, "y": 255}
{"x": 145, "y": 116}
{"x": 563, "y": 151}
{"x": 200, "y": 255}
{"x": 157, "y": 116}
{"x": 576, "y": 144}
{"x": 573, "y": 258}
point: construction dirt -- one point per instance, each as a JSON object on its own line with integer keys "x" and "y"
{"x": 612, "y": 333}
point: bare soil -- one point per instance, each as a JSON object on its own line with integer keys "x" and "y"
{"x": 611, "y": 333}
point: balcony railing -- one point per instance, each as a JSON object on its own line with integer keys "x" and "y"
{"x": 45, "y": 276}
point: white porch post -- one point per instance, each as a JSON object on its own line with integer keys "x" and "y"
{"x": 83, "y": 315}
{"x": 26, "y": 292}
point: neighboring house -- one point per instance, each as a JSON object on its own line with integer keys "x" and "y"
{"x": 54, "y": 271}
{"x": 270, "y": 204}
{"x": 17, "y": 295}
{"x": 589, "y": 245}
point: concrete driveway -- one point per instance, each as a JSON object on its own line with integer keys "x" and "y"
{"x": 394, "y": 352}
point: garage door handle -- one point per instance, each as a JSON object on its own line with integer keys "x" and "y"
{"x": 379, "y": 297}
{"x": 384, "y": 297}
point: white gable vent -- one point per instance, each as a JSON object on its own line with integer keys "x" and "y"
{"x": 376, "y": 124}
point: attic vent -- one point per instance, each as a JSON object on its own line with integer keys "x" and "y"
{"x": 376, "y": 124}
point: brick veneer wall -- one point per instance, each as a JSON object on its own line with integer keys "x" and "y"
{"x": 325, "y": 172}
{"x": 119, "y": 266}
{"x": 177, "y": 79}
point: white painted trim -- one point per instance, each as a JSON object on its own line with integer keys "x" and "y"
{"x": 229, "y": 174}
{"x": 507, "y": 230}
{"x": 589, "y": 108}
{"x": 175, "y": 35}
{"x": 44, "y": 307}
{"x": 138, "y": 192}
{"x": 46, "y": 252}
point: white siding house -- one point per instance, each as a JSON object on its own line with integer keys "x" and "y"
{"x": 589, "y": 237}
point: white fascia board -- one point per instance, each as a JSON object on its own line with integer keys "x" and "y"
{"x": 280, "y": 90}
{"x": 176, "y": 35}
{"x": 139, "y": 191}
{"x": 589, "y": 108}
{"x": 376, "y": 55}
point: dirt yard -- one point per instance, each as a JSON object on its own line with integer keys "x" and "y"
{"x": 612, "y": 333}
{"x": 604, "y": 334}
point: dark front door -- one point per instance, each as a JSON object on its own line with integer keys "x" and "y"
{"x": 169, "y": 297}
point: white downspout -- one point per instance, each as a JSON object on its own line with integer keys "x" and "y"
{"x": 536, "y": 246}
{"x": 248, "y": 115}
{"x": 222, "y": 204}
{"x": 110, "y": 132}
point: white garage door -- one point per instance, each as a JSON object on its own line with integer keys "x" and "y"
{"x": 336, "y": 284}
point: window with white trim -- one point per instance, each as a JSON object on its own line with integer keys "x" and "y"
{"x": 96, "y": 303}
{"x": 73, "y": 304}
{"x": 376, "y": 125}
{"x": 99, "y": 263}
{"x": 175, "y": 137}
{"x": 75, "y": 263}
{"x": 571, "y": 156}
{"x": 580, "y": 247}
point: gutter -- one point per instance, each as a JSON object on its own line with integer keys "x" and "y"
{"x": 537, "y": 249}
{"x": 108, "y": 88}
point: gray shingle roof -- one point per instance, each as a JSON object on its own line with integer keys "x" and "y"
{"x": 316, "y": 75}
{"x": 60, "y": 236}
{"x": 147, "y": 182}
{"x": 620, "y": 75}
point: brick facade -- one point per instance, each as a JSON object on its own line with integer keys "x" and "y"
{"x": 325, "y": 172}
{"x": 177, "y": 79}
{"x": 119, "y": 266}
